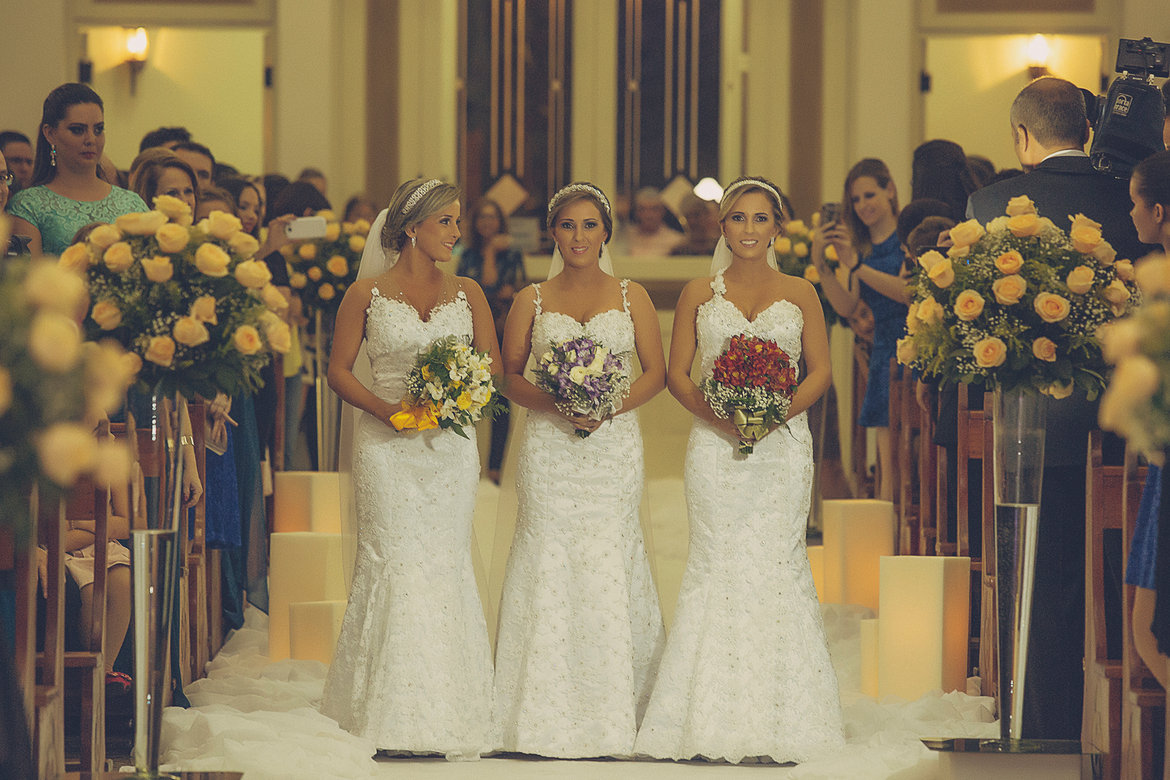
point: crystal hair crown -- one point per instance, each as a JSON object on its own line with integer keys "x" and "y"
{"x": 419, "y": 192}
{"x": 589, "y": 188}
{"x": 754, "y": 183}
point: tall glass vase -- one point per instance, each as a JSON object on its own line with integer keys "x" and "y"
{"x": 154, "y": 558}
{"x": 1019, "y": 469}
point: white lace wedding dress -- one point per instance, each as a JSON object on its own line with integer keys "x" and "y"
{"x": 580, "y": 630}
{"x": 746, "y": 670}
{"x": 412, "y": 671}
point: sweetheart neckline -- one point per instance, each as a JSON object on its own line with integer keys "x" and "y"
{"x": 418, "y": 315}
{"x": 761, "y": 313}
{"x": 579, "y": 322}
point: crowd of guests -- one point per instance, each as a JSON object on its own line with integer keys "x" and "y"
{"x": 864, "y": 250}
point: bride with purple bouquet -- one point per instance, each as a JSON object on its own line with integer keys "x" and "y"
{"x": 580, "y": 629}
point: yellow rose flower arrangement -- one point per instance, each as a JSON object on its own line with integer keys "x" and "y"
{"x": 322, "y": 269}
{"x": 1137, "y": 402}
{"x": 48, "y": 381}
{"x": 175, "y": 294}
{"x": 1019, "y": 305}
{"x": 793, "y": 258}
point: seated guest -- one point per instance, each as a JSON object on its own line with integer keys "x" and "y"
{"x": 200, "y": 158}
{"x": 940, "y": 171}
{"x": 160, "y": 172}
{"x": 16, "y": 244}
{"x": 649, "y": 234}
{"x": 315, "y": 177}
{"x": 982, "y": 169}
{"x": 68, "y": 190}
{"x": 166, "y": 137}
{"x": 701, "y": 227}
{"x": 18, "y": 152}
{"x": 360, "y": 207}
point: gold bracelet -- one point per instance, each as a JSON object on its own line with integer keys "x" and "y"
{"x": 187, "y": 441}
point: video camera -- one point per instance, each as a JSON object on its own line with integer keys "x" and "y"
{"x": 1127, "y": 121}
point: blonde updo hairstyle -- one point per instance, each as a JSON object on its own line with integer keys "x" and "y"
{"x": 400, "y": 217}
{"x": 580, "y": 190}
{"x": 733, "y": 193}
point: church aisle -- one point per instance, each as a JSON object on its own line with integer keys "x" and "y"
{"x": 259, "y": 717}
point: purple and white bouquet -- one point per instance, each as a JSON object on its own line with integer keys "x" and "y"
{"x": 584, "y": 377}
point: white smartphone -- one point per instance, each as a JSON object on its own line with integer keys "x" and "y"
{"x": 306, "y": 227}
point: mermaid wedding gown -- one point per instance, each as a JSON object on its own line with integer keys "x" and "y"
{"x": 580, "y": 630}
{"x": 746, "y": 670}
{"x": 412, "y": 671}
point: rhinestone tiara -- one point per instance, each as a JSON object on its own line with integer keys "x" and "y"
{"x": 563, "y": 191}
{"x": 754, "y": 183}
{"x": 419, "y": 192}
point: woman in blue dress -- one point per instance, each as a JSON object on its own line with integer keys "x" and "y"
{"x": 68, "y": 189}
{"x": 1149, "y": 189}
{"x": 866, "y": 241}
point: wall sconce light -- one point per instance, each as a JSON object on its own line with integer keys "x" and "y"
{"x": 1038, "y": 51}
{"x": 137, "y": 45}
{"x": 709, "y": 189}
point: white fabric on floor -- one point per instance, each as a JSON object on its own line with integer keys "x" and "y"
{"x": 259, "y": 717}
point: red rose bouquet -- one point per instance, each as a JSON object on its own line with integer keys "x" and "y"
{"x": 753, "y": 383}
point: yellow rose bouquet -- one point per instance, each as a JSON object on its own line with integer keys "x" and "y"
{"x": 324, "y": 268}
{"x": 1018, "y": 303}
{"x": 53, "y": 387}
{"x": 794, "y": 257}
{"x": 1137, "y": 402}
{"x": 189, "y": 300}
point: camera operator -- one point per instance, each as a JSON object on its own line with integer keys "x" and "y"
{"x": 1050, "y": 128}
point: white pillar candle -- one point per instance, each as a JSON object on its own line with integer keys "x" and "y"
{"x": 923, "y": 635}
{"x": 313, "y": 629}
{"x": 307, "y": 501}
{"x": 303, "y": 567}
{"x": 857, "y": 533}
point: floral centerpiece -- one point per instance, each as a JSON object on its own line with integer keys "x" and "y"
{"x": 1137, "y": 402}
{"x": 450, "y": 386}
{"x": 584, "y": 377}
{"x": 53, "y": 388}
{"x": 1018, "y": 304}
{"x": 189, "y": 301}
{"x": 324, "y": 268}
{"x": 752, "y": 383}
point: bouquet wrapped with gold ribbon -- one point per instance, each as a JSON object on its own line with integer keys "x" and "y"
{"x": 752, "y": 383}
{"x": 450, "y": 386}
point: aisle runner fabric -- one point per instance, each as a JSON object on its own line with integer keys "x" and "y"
{"x": 259, "y": 717}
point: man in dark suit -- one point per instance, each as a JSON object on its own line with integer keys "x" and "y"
{"x": 1050, "y": 129}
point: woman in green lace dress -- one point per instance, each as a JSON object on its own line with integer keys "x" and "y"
{"x": 68, "y": 190}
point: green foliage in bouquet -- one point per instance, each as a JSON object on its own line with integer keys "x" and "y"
{"x": 324, "y": 268}
{"x": 1018, "y": 304}
{"x": 188, "y": 300}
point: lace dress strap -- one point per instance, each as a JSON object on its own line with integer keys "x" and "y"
{"x": 536, "y": 288}
{"x": 625, "y": 301}
{"x": 717, "y": 284}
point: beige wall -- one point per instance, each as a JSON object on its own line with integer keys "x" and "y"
{"x": 32, "y": 60}
{"x": 194, "y": 77}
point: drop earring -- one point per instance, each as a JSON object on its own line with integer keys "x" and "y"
{"x": 52, "y": 156}
{"x": 413, "y": 241}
